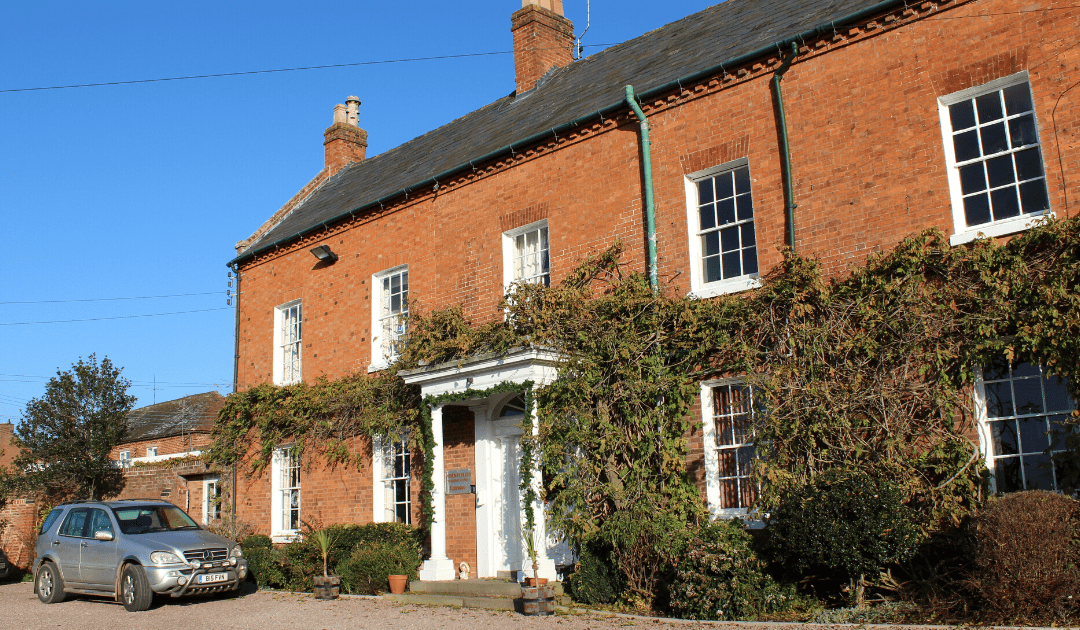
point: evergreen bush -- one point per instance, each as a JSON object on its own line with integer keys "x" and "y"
{"x": 595, "y": 580}
{"x": 1028, "y": 558}
{"x": 257, "y": 541}
{"x": 721, "y": 577}
{"x": 844, "y": 521}
{"x": 366, "y": 570}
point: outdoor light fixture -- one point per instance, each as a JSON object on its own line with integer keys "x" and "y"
{"x": 323, "y": 253}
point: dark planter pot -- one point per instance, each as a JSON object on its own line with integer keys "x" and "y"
{"x": 537, "y": 600}
{"x": 327, "y": 587}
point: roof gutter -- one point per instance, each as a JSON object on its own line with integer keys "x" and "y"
{"x": 619, "y": 105}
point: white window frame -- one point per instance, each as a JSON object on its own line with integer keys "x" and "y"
{"x": 511, "y": 255}
{"x": 288, "y": 342}
{"x": 698, "y": 287}
{"x": 380, "y": 359}
{"x": 125, "y": 459}
{"x": 962, "y": 232}
{"x": 986, "y": 441}
{"x": 284, "y": 461}
{"x": 712, "y": 448}
{"x": 151, "y": 451}
{"x": 384, "y": 503}
{"x": 211, "y": 505}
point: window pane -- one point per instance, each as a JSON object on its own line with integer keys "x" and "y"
{"x": 748, "y": 239}
{"x": 993, "y": 139}
{"x": 729, "y": 239}
{"x": 710, "y": 243}
{"x": 1026, "y": 369}
{"x": 725, "y": 211}
{"x": 708, "y": 217}
{"x": 972, "y": 178}
{"x": 1033, "y": 196}
{"x": 1033, "y": 435}
{"x": 1059, "y": 432}
{"x": 1022, "y": 131}
{"x": 712, "y": 269}
{"x": 728, "y": 463}
{"x": 1028, "y": 164}
{"x": 724, "y": 186}
{"x": 1007, "y": 475}
{"x": 1005, "y": 203}
{"x": 999, "y": 400}
{"x": 746, "y": 207}
{"x": 966, "y": 145}
{"x": 705, "y": 191}
{"x": 977, "y": 209}
{"x": 1017, "y": 99}
{"x": 1000, "y": 171}
{"x": 1027, "y": 396}
{"x": 962, "y": 115}
{"x": 749, "y": 257}
{"x": 1038, "y": 472}
{"x": 1057, "y": 397}
{"x": 729, "y": 493}
{"x": 732, "y": 268}
{"x": 742, "y": 181}
{"x": 989, "y": 106}
{"x": 1003, "y": 435}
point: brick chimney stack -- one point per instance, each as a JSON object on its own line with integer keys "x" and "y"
{"x": 345, "y": 142}
{"x": 543, "y": 39}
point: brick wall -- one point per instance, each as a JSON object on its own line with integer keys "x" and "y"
{"x": 867, "y": 158}
{"x": 165, "y": 446}
{"x": 460, "y": 452}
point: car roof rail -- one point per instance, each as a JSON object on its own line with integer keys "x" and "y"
{"x": 137, "y": 500}
{"x": 74, "y": 501}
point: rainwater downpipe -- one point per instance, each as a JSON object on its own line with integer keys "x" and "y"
{"x": 646, "y": 166}
{"x": 785, "y": 146}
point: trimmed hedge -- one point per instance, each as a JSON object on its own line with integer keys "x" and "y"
{"x": 366, "y": 570}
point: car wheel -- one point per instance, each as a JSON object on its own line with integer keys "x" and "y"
{"x": 50, "y": 586}
{"x": 135, "y": 591}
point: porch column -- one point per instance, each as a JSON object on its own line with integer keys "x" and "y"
{"x": 546, "y": 566}
{"x": 438, "y": 566}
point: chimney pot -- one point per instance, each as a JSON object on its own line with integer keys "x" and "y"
{"x": 344, "y": 141}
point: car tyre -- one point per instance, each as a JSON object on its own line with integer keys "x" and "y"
{"x": 135, "y": 593}
{"x": 50, "y": 586}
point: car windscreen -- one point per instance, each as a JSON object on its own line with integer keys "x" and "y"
{"x": 152, "y": 518}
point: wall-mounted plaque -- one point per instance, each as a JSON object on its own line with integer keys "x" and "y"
{"x": 459, "y": 481}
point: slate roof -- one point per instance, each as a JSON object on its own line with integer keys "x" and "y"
{"x": 718, "y": 35}
{"x": 191, "y": 414}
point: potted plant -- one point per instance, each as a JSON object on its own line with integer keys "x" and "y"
{"x": 328, "y": 586}
{"x": 528, "y": 538}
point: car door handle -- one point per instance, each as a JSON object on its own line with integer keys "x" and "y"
{"x": 55, "y": 543}
{"x": 85, "y": 544}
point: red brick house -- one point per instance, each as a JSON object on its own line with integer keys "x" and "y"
{"x": 161, "y": 455}
{"x": 838, "y": 127}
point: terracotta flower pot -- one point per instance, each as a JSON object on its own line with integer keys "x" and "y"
{"x": 397, "y": 583}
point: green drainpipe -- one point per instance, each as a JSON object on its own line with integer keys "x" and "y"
{"x": 785, "y": 146}
{"x": 650, "y": 208}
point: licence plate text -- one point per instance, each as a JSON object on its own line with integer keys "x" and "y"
{"x": 206, "y": 578}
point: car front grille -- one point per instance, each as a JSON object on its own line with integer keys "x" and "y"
{"x": 206, "y": 555}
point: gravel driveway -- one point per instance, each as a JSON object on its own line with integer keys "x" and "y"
{"x": 20, "y": 609}
{"x": 264, "y": 610}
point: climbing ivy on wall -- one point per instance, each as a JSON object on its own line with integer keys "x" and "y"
{"x": 872, "y": 370}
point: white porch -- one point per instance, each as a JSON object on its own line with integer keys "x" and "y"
{"x": 498, "y": 428}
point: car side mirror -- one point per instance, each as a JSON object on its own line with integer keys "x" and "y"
{"x": 103, "y": 534}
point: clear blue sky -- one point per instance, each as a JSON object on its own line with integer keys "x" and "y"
{"x": 142, "y": 190}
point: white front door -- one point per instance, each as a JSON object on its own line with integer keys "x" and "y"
{"x": 507, "y": 506}
{"x": 498, "y": 498}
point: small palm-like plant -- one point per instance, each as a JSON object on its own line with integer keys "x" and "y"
{"x": 324, "y": 540}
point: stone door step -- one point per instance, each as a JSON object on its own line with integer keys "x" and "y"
{"x": 497, "y": 589}
{"x": 430, "y": 599}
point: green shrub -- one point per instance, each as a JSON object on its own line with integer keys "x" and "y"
{"x": 721, "y": 577}
{"x": 266, "y": 567}
{"x": 257, "y": 541}
{"x": 1028, "y": 558}
{"x": 366, "y": 570}
{"x": 844, "y": 521}
{"x": 595, "y": 580}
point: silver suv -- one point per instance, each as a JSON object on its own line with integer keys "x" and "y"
{"x": 130, "y": 550}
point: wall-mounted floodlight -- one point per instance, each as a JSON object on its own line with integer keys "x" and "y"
{"x": 323, "y": 253}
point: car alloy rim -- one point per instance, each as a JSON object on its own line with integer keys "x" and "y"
{"x": 45, "y": 584}
{"x": 129, "y": 589}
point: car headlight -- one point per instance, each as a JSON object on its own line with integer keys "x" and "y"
{"x": 164, "y": 557}
{"x": 237, "y": 552}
